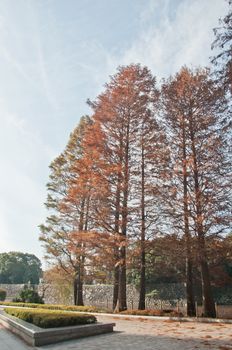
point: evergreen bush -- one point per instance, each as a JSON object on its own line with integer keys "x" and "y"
{"x": 2, "y": 294}
{"x": 29, "y": 295}
{"x": 51, "y": 318}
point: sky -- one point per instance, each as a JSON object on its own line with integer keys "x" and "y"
{"x": 54, "y": 55}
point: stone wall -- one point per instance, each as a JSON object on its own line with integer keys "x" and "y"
{"x": 169, "y": 296}
{"x": 95, "y": 295}
{"x": 99, "y": 295}
{"x": 12, "y": 290}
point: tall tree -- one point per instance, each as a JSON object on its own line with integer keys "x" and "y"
{"x": 209, "y": 165}
{"x": 125, "y": 108}
{"x": 196, "y": 99}
{"x": 148, "y": 173}
{"x": 176, "y": 121}
{"x": 114, "y": 113}
{"x": 66, "y": 218}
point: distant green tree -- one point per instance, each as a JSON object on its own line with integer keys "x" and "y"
{"x": 17, "y": 267}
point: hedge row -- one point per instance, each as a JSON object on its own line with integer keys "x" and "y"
{"x": 165, "y": 312}
{"x": 51, "y": 318}
{"x": 54, "y": 307}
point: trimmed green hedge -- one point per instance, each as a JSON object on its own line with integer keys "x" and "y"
{"x": 154, "y": 312}
{"x": 51, "y": 318}
{"x": 54, "y": 307}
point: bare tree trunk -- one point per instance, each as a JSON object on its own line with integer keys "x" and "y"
{"x": 80, "y": 301}
{"x": 122, "y": 302}
{"x": 142, "y": 289}
{"x": 75, "y": 290}
{"x": 78, "y": 288}
{"x": 116, "y": 284}
{"x": 191, "y": 310}
{"x": 207, "y": 295}
{"x": 116, "y": 251}
{"x": 122, "y": 299}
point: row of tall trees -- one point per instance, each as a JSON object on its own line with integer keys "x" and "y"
{"x": 149, "y": 162}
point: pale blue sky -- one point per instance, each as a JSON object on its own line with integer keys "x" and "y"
{"x": 54, "y": 54}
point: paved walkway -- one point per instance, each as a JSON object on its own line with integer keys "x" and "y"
{"x": 141, "y": 334}
{"x": 9, "y": 341}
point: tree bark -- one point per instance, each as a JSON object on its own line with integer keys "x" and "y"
{"x": 191, "y": 310}
{"x": 208, "y": 305}
{"x": 75, "y": 290}
{"x": 142, "y": 291}
{"x": 122, "y": 298}
{"x": 116, "y": 284}
{"x": 207, "y": 295}
{"x": 80, "y": 301}
{"x": 116, "y": 230}
{"x": 122, "y": 302}
{"x": 78, "y": 287}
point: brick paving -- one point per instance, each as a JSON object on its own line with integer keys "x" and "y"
{"x": 141, "y": 334}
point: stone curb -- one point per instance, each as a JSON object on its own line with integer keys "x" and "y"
{"x": 178, "y": 319}
{"x": 36, "y": 336}
{"x": 161, "y": 318}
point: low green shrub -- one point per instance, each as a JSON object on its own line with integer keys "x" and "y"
{"x": 2, "y": 294}
{"x": 51, "y": 318}
{"x": 28, "y": 295}
{"x": 54, "y": 307}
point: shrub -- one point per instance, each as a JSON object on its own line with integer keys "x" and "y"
{"x": 153, "y": 294}
{"x": 2, "y": 294}
{"x": 51, "y": 318}
{"x": 54, "y": 307}
{"x": 29, "y": 296}
{"x": 175, "y": 313}
{"x": 143, "y": 312}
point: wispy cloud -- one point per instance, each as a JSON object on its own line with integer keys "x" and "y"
{"x": 22, "y": 182}
{"x": 183, "y": 34}
{"x": 6, "y": 55}
{"x": 47, "y": 86}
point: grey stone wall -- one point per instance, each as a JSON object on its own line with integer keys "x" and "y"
{"x": 95, "y": 295}
{"x": 99, "y": 295}
{"x": 169, "y": 296}
{"x": 12, "y": 290}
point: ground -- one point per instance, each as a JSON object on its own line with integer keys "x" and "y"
{"x": 140, "y": 334}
